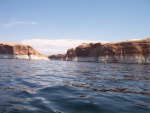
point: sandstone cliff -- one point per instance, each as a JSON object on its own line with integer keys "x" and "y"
{"x": 137, "y": 51}
{"x": 19, "y": 51}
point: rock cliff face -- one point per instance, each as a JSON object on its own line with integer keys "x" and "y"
{"x": 19, "y": 51}
{"x": 84, "y": 52}
{"x": 60, "y": 57}
{"x": 137, "y": 51}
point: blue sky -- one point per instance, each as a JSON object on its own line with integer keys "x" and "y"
{"x": 52, "y": 26}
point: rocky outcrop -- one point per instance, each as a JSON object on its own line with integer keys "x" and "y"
{"x": 71, "y": 54}
{"x": 60, "y": 57}
{"x": 19, "y": 51}
{"x": 137, "y": 51}
{"x": 84, "y": 52}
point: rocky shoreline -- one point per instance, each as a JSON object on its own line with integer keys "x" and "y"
{"x": 9, "y": 50}
{"x": 134, "y": 51}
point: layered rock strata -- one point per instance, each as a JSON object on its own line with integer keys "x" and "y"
{"x": 136, "y": 51}
{"x": 126, "y": 52}
{"x": 19, "y": 51}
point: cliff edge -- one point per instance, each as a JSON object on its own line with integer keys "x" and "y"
{"x": 9, "y": 50}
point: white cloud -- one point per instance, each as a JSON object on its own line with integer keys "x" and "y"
{"x": 47, "y": 46}
{"x": 14, "y": 22}
{"x": 11, "y": 24}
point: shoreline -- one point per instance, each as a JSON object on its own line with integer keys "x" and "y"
{"x": 25, "y": 57}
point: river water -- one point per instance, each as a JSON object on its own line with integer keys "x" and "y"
{"x": 38, "y": 86}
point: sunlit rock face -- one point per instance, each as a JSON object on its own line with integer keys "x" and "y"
{"x": 137, "y": 51}
{"x": 126, "y": 52}
{"x": 10, "y": 50}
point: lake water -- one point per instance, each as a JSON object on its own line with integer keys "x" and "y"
{"x": 35, "y": 86}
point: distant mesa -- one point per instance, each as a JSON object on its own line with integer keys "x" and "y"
{"x": 60, "y": 57}
{"x": 133, "y": 51}
{"x": 9, "y": 50}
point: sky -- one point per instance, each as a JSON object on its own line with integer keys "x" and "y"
{"x": 53, "y": 26}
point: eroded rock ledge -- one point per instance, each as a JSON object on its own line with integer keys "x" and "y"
{"x": 135, "y": 51}
{"x": 10, "y": 50}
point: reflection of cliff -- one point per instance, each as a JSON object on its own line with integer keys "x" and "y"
{"x": 137, "y": 51}
{"x": 19, "y": 51}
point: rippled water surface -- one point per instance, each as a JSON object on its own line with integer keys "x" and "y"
{"x": 34, "y": 86}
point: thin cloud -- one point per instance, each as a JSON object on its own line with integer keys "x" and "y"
{"x": 9, "y": 25}
{"x": 15, "y": 22}
{"x": 47, "y": 46}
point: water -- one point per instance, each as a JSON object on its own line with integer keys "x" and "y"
{"x": 32, "y": 86}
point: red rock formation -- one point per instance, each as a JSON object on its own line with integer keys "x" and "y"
{"x": 88, "y": 50}
{"x": 128, "y": 48}
{"x": 70, "y": 54}
{"x": 9, "y": 49}
{"x": 137, "y": 51}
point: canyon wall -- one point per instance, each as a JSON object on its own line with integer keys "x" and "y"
{"x": 10, "y": 50}
{"x": 135, "y": 51}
